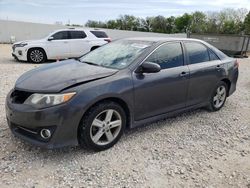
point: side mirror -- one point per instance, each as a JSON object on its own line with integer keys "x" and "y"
{"x": 148, "y": 67}
{"x": 50, "y": 38}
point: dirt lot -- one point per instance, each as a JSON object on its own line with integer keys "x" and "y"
{"x": 195, "y": 149}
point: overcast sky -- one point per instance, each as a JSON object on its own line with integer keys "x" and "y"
{"x": 79, "y": 11}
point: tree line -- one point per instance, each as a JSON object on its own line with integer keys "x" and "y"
{"x": 226, "y": 21}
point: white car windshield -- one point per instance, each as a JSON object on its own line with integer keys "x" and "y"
{"x": 118, "y": 54}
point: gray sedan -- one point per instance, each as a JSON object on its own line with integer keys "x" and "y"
{"x": 90, "y": 101}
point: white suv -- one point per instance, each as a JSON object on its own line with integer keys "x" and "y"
{"x": 61, "y": 44}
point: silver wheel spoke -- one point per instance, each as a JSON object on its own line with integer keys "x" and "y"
{"x": 222, "y": 91}
{"x": 109, "y": 115}
{"x": 109, "y": 136}
{"x": 218, "y": 90}
{"x": 98, "y": 135}
{"x": 97, "y": 123}
{"x": 115, "y": 123}
{"x": 217, "y": 102}
{"x": 215, "y": 98}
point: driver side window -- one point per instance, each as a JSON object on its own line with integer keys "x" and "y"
{"x": 167, "y": 56}
{"x": 61, "y": 35}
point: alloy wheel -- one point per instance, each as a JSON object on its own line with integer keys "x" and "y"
{"x": 220, "y": 96}
{"x": 36, "y": 56}
{"x": 106, "y": 127}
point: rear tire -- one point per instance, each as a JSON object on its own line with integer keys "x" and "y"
{"x": 102, "y": 126}
{"x": 36, "y": 55}
{"x": 219, "y": 96}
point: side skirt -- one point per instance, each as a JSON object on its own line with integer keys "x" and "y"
{"x": 166, "y": 115}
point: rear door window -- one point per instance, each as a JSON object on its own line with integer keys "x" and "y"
{"x": 197, "y": 52}
{"x": 99, "y": 34}
{"x": 167, "y": 56}
{"x": 61, "y": 35}
{"x": 77, "y": 34}
{"x": 212, "y": 56}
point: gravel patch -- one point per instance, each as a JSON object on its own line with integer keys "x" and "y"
{"x": 195, "y": 149}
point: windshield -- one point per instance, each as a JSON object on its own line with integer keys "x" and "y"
{"x": 118, "y": 54}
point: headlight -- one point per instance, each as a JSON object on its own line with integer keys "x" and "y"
{"x": 21, "y": 45}
{"x": 47, "y": 100}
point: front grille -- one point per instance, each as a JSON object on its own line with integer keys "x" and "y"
{"x": 19, "y": 97}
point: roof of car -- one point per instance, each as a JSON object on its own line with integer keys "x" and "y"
{"x": 78, "y": 29}
{"x": 162, "y": 39}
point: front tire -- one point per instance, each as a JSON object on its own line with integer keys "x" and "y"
{"x": 36, "y": 55}
{"x": 102, "y": 126}
{"x": 218, "y": 97}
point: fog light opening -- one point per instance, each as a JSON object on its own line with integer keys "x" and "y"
{"x": 45, "y": 133}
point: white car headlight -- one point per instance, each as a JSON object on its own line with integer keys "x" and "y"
{"x": 21, "y": 44}
{"x": 46, "y": 100}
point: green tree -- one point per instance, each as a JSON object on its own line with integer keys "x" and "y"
{"x": 230, "y": 21}
{"x": 198, "y": 22}
{"x": 146, "y": 24}
{"x": 183, "y": 22}
{"x": 159, "y": 24}
{"x": 95, "y": 24}
{"x": 226, "y": 21}
{"x": 170, "y": 25}
{"x": 112, "y": 24}
{"x": 128, "y": 22}
{"x": 247, "y": 24}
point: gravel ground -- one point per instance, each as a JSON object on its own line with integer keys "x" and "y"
{"x": 195, "y": 149}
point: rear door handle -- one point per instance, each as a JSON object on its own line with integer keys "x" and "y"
{"x": 183, "y": 74}
{"x": 218, "y": 68}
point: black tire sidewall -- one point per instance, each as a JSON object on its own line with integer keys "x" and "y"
{"x": 211, "y": 106}
{"x": 29, "y": 58}
{"x": 84, "y": 137}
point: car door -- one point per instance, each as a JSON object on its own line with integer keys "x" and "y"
{"x": 58, "y": 45}
{"x": 205, "y": 71}
{"x": 79, "y": 44}
{"x": 165, "y": 91}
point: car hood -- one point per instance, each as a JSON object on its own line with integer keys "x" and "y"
{"x": 58, "y": 76}
{"x": 29, "y": 41}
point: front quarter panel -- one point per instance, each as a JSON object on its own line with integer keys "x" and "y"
{"x": 118, "y": 86}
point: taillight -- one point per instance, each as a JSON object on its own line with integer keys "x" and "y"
{"x": 236, "y": 63}
{"x": 108, "y": 40}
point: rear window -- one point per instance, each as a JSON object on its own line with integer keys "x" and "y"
{"x": 219, "y": 53}
{"x": 99, "y": 34}
{"x": 212, "y": 56}
{"x": 77, "y": 34}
